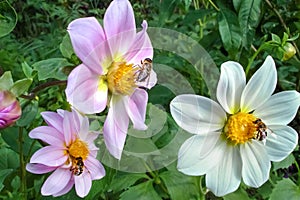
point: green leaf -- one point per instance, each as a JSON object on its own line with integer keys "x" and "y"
{"x": 187, "y": 188}
{"x": 27, "y": 69}
{"x": 66, "y": 47}
{"x": 288, "y": 161}
{"x": 51, "y": 68}
{"x": 285, "y": 189}
{"x": 11, "y": 137}
{"x": 123, "y": 181}
{"x": 21, "y": 86}
{"x": 8, "y": 18}
{"x": 9, "y": 159}
{"x": 193, "y": 15}
{"x": 229, "y": 30}
{"x": 237, "y": 4}
{"x": 237, "y": 195}
{"x": 144, "y": 190}
{"x": 275, "y": 38}
{"x": 6, "y": 81}
{"x": 249, "y": 15}
{"x": 3, "y": 174}
{"x": 28, "y": 113}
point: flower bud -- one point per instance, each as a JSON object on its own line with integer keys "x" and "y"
{"x": 289, "y": 51}
{"x": 10, "y": 109}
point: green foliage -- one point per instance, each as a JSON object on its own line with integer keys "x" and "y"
{"x": 36, "y": 57}
{"x": 8, "y": 18}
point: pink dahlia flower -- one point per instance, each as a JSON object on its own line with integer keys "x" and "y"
{"x": 71, "y": 154}
{"x": 10, "y": 109}
{"x": 112, "y": 71}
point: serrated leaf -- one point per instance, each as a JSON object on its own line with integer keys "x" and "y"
{"x": 229, "y": 30}
{"x": 27, "y": 69}
{"x": 285, "y": 189}
{"x": 66, "y": 47}
{"x": 122, "y": 181}
{"x": 6, "y": 81}
{"x": 51, "y": 68}
{"x": 3, "y": 174}
{"x": 21, "y": 86}
{"x": 8, "y": 18}
{"x": 9, "y": 159}
{"x": 28, "y": 113}
{"x": 249, "y": 15}
{"x": 295, "y": 37}
{"x": 276, "y": 39}
{"x": 185, "y": 190}
{"x": 143, "y": 190}
{"x": 288, "y": 161}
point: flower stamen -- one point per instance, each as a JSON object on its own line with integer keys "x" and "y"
{"x": 243, "y": 127}
{"x": 121, "y": 78}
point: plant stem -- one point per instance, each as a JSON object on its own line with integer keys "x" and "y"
{"x": 252, "y": 59}
{"x": 282, "y": 23}
{"x": 32, "y": 94}
{"x": 23, "y": 187}
{"x": 214, "y": 5}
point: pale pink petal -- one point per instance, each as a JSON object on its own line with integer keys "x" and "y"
{"x": 83, "y": 184}
{"x": 86, "y": 34}
{"x": 66, "y": 189}
{"x": 84, "y": 127}
{"x": 149, "y": 83}
{"x": 119, "y": 26}
{"x": 50, "y": 156}
{"x": 49, "y": 135}
{"x": 141, "y": 47}
{"x": 70, "y": 130}
{"x": 58, "y": 180}
{"x": 39, "y": 168}
{"x": 230, "y": 87}
{"x": 226, "y": 176}
{"x": 85, "y": 91}
{"x": 197, "y": 114}
{"x": 136, "y": 108}
{"x": 53, "y": 119}
{"x": 95, "y": 168}
{"x": 260, "y": 86}
{"x": 115, "y": 127}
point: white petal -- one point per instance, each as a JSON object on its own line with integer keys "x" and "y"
{"x": 230, "y": 87}
{"x": 197, "y": 114}
{"x": 83, "y": 184}
{"x": 282, "y": 143}
{"x": 256, "y": 164}
{"x": 260, "y": 87}
{"x": 280, "y": 109}
{"x": 196, "y": 153}
{"x": 226, "y": 176}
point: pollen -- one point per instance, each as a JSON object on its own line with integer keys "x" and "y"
{"x": 240, "y": 128}
{"x": 79, "y": 148}
{"x": 121, "y": 78}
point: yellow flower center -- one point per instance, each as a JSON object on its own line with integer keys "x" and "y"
{"x": 78, "y": 149}
{"x": 241, "y": 128}
{"x": 121, "y": 78}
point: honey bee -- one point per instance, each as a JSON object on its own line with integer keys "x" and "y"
{"x": 262, "y": 130}
{"x": 144, "y": 71}
{"x": 77, "y": 168}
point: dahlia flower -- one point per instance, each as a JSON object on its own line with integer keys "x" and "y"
{"x": 71, "y": 154}
{"x": 236, "y": 138}
{"x": 10, "y": 109}
{"x": 112, "y": 71}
